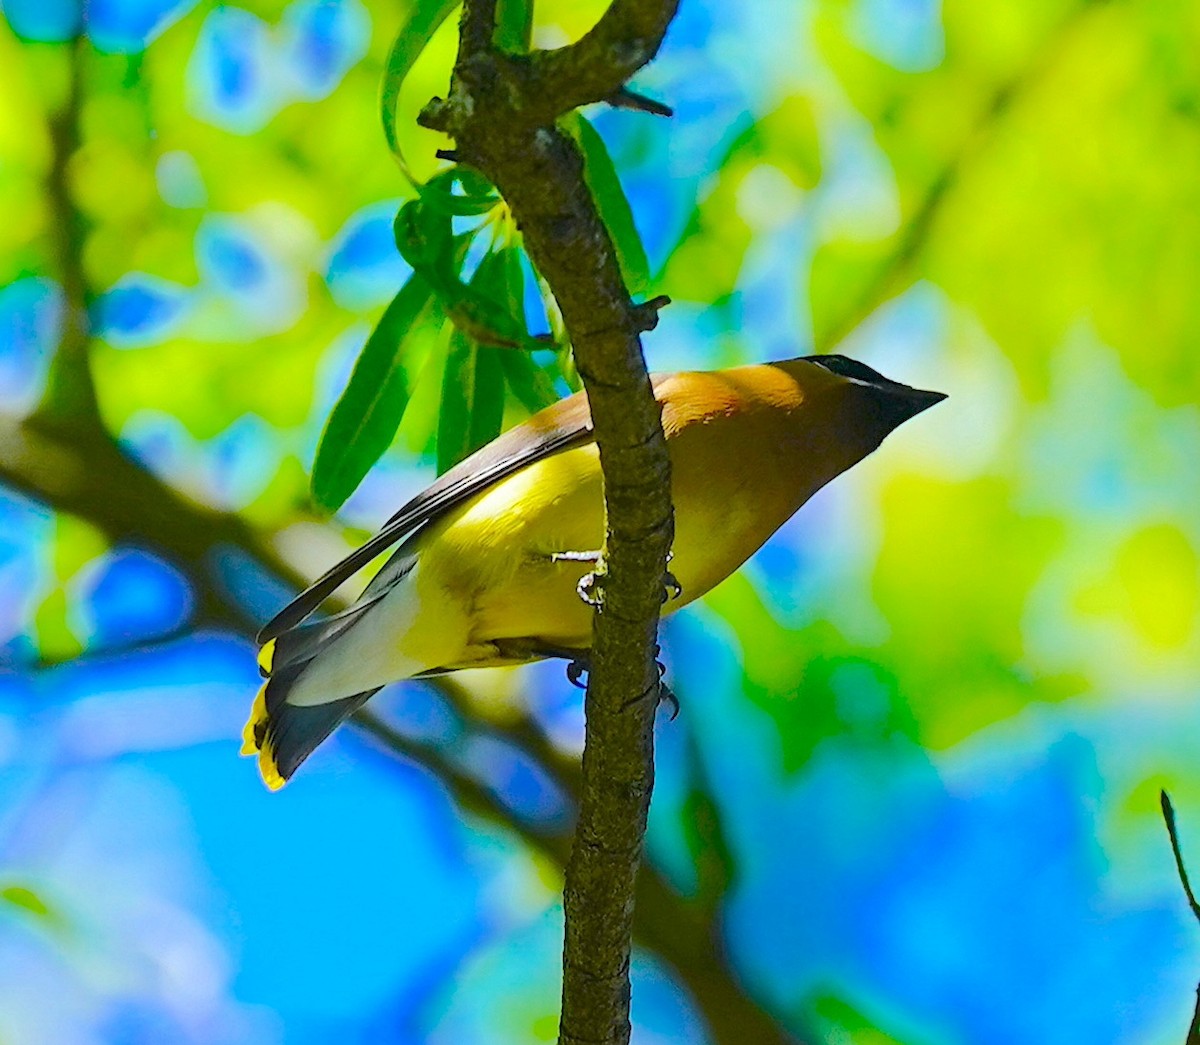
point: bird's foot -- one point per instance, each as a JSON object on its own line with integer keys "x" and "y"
{"x": 672, "y": 589}
{"x": 580, "y": 664}
{"x": 659, "y": 690}
{"x": 591, "y": 585}
{"x": 576, "y": 669}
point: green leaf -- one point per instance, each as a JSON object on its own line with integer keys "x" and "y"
{"x": 530, "y": 383}
{"x": 472, "y": 400}
{"x": 704, "y": 835}
{"x": 366, "y": 416}
{"x": 424, "y": 20}
{"x": 479, "y": 309}
{"x": 425, "y": 239}
{"x": 472, "y": 410}
{"x": 533, "y": 387}
{"x": 27, "y": 900}
{"x": 601, "y": 177}
{"x": 478, "y": 195}
{"x": 514, "y": 25}
{"x": 414, "y": 36}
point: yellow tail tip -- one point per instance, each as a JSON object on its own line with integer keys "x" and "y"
{"x": 267, "y": 769}
{"x": 254, "y": 728}
{"x": 266, "y": 656}
{"x": 255, "y": 723}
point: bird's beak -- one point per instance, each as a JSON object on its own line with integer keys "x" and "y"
{"x": 901, "y": 403}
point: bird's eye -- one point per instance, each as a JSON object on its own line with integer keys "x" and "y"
{"x": 844, "y": 366}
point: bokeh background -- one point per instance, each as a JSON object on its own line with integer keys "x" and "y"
{"x": 912, "y": 796}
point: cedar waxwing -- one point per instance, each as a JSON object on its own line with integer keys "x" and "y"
{"x": 494, "y": 550}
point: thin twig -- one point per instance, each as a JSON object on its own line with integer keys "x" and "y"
{"x": 627, "y": 99}
{"x": 1168, "y": 812}
{"x": 600, "y": 64}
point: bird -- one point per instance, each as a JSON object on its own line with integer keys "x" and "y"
{"x": 494, "y": 556}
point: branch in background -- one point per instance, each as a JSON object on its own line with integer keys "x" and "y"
{"x": 92, "y": 479}
{"x": 1168, "y": 812}
{"x": 500, "y": 113}
{"x": 65, "y": 458}
{"x": 70, "y": 392}
{"x": 892, "y": 275}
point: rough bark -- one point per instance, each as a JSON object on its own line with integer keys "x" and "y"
{"x": 501, "y": 111}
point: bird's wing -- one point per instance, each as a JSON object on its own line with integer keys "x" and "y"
{"x": 565, "y": 424}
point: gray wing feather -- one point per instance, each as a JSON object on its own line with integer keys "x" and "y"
{"x": 559, "y": 427}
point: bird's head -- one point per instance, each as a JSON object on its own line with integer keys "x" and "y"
{"x": 891, "y": 403}
{"x": 873, "y": 405}
{"x": 849, "y": 408}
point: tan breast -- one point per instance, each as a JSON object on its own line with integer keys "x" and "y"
{"x": 735, "y": 480}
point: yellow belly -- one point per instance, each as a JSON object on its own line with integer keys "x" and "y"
{"x": 494, "y": 557}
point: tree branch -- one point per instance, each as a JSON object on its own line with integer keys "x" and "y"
{"x": 597, "y": 66}
{"x": 70, "y": 392}
{"x": 477, "y": 29}
{"x": 64, "y": 457}
{"x": 501, "y": 120}
{"x": 893, "y": 274}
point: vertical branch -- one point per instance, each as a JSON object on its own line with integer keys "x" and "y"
{"x": 477, "y": 28}
{"x": 501, "y": 112}
{"x": 70, "y": 393}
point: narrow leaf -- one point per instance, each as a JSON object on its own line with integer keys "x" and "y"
{"x": 424, "y": 239}
{"x": 472, "y": 411}
{"x": 366, "y": 416}
{"x": 530, "y": 383}
{"x": 478, "y": 195}
{"x": 601, "y": 177}
{"x": 27, "y": 900}
{"x": 472, "y": 400}
{"x": 424, "y": 20}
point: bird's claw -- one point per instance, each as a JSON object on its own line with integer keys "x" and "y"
{"x": 672, "y": 589}
{"x": 591, "y": 585}
{"x": 659, "y": 689}
{"x": 666, "y": 695}
{"x": 591, "y": 589}
{"x": 576, "y": 669}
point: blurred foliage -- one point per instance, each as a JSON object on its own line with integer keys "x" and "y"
{"x": 923, "y": 731}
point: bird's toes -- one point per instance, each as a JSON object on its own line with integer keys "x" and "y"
{"x": 593, "y": 557}
{"x": 576, "y": 669}
{"x": 672, "y": 589}
{"x": 591, "y": 589}
{"x": 666, "y": 695}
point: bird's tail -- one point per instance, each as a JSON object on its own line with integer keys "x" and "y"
{"x": 282, "y": 734}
